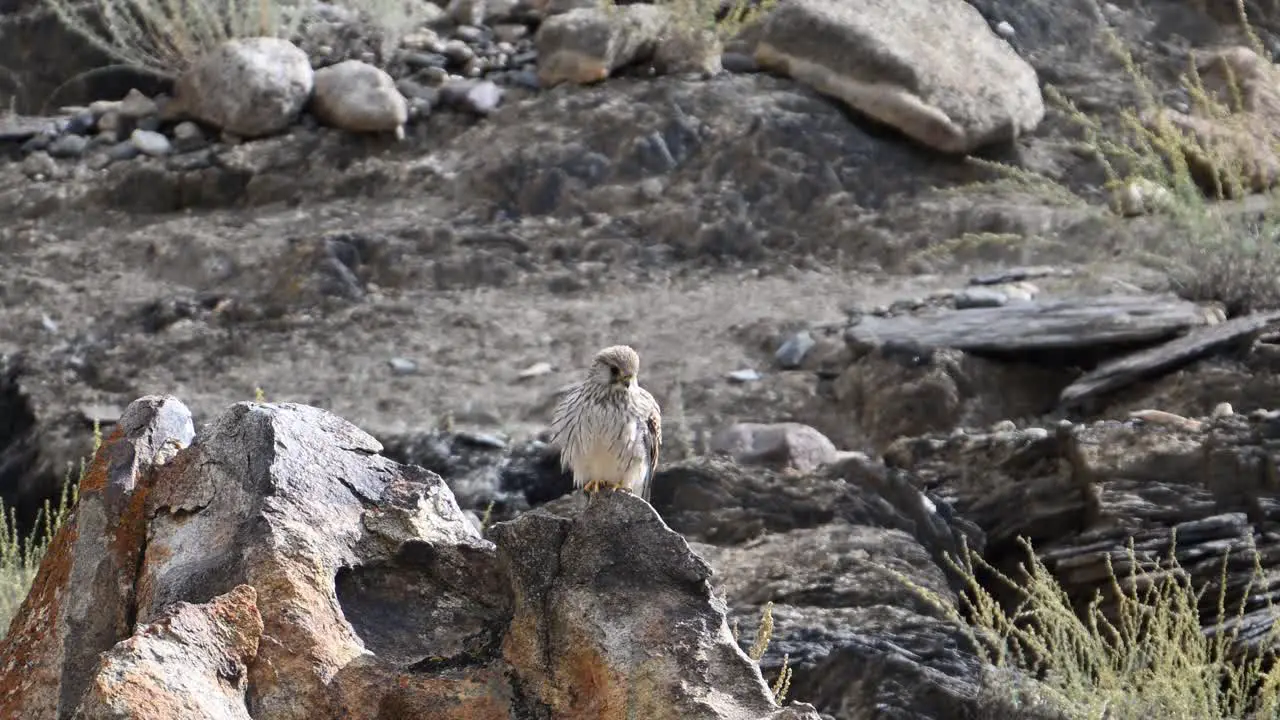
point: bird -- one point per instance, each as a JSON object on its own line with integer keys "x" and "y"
{"x": 607, "y": 427}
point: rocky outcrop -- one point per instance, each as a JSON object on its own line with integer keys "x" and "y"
{"x": 279, "y": 567}
{"x": 1197, "y": 489}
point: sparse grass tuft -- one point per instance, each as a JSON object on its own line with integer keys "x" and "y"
{"x": 1134, "y": 653}
{"x": 164, "y": 36}
{"x": 20, "y": 556}
{"x": 764, "y": 633}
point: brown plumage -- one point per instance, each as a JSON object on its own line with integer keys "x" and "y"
{"x": 608, "y": 428}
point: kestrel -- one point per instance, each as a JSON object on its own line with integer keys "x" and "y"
{"x": 607, "y": 427}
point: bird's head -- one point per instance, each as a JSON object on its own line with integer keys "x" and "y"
{"x": 617, "y": 366}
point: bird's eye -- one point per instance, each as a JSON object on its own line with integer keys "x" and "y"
{"x": 613, "y": 371}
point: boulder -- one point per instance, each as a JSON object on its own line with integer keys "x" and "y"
{"x": 190, "y": 663}
{"x": 356, "y": 96}
{"x": 787, "y": 445}
{"x": 585, "y": 45}
{"x": 279, "y": 566}
{"x": 933, "y": 70}
{"x": 249, "y": 87}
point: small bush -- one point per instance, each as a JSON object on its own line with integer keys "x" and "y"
{"x": 20, "y": 556}
{"x": 1140, "y": 654}
{"x": 164, "y": 36}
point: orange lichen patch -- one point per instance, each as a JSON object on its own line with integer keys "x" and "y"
{"x": 95, "y": 476}
{"x": 129, "y": 529}
{"x": 587, "y": 686}
{"x": 369, "y": 687}
{"x": 237, "y": 612}
{"x": 484, "y": 694}
{"x": 30, "y": 655}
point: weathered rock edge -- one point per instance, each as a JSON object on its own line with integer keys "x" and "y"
{"x": 284, "y": 568}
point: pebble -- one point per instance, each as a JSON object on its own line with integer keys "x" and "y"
{"x": 421, "y": 60}
{"x": 458, "y": 52}
{"x": 740, "y": 63}
{"x": 123, "y": 151}
{"x": 1036, "y": 433}
{"x": 980, "y": 297}
{"x": 487, "y": 440}
{"x": 470, "y": 34}
{"x": 510, "y": 33}
{"x": 477, "y": 96}
{"x": 793, "y": 350}
{"x": 81, "y": 123}
{"x": 402, "y": 366}
{"x": 188, "y": 136}
{"x": 39, "y": 166}
{"x": 1005, "y": 30}
{"x": 151, "y": 143}
{"x": 535, "y": 370}
{"x": 68, "y": 146}
{"x": 744, "y": 376}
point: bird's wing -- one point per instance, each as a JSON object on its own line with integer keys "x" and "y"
{"x": 652, "y": 443}
{"x": 566, "y": 404}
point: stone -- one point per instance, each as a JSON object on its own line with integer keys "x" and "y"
{"x": 150, "y": 143}
{"x": 786, "y": 445}
{"x": 358, "y": 97}
{"x": 792, "y": 351}
{"x": 585, "y": 45}
{"x": 933, "y": 70}
{"x": 249, "y": 87}
{"x": 478, "y": 97}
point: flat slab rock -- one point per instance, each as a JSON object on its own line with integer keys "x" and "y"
{"x": 1055, "y": 324}
{"x": 1169, "y": 356}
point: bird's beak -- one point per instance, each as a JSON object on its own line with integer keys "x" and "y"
{"x": 626, "y": 378}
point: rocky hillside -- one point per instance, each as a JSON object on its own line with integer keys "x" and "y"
{"x": 905, "y": 277}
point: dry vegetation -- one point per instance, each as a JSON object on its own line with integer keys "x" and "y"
{"x": 1146, "y": 655}
{"x": 20, "y": 556}
{"x": 1211, "y": 251}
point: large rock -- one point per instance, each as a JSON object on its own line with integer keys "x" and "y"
{"x": 787, "y": 445}
{"x": 298, "y": 504}
{"x": 280, "y": 567}
{"x": 846, "y": 556}
{"x": 581, "y": 644}
{"x": 933, "y": 70}
{"x": 249, "y": 87}
{"x": 82, "y": 601}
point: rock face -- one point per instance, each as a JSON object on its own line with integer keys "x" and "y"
{"x": 83, "y": 600}
{"x": 933, "y": 70}
{"x": 191, "y": 662}
{"x": 583, "y": 646}
{"x": 290, "y": 571}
